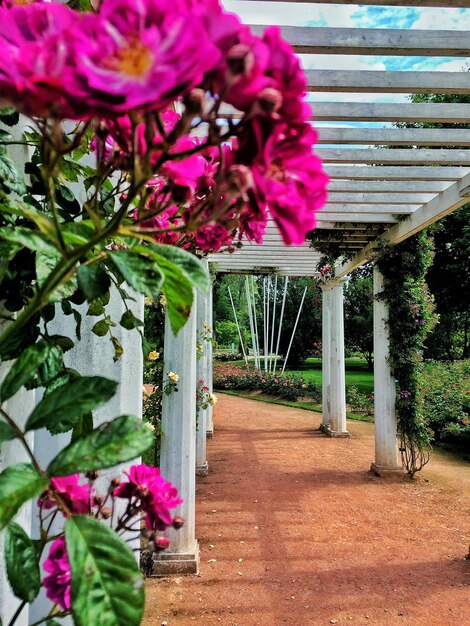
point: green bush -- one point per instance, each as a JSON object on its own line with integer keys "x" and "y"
{"x": 446, "y": 401}
{"x": 358, "y": 401}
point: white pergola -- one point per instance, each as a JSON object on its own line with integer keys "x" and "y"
{"x": 374, "y": 191}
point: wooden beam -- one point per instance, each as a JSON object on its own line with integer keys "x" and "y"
{"x": 385, "y": 172}
{"x": 400, "y": 156}
{"x": 393, "y": 3}
{"x": 387, "y": 186}
{"x": 443, "y": 204}
{"x": 379, "y": 209}
{"x": 366, "y": 218}
{"x": 355, "y": 197}
{"x": 395, "y": 136}
{"x": 452, "y": 113}
{"x": 374, "y": 41}
{"x": 372, "y": 81}
{"x": 397, "y": 112}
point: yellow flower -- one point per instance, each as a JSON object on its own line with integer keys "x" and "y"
{"x": 150, "y": 426}
{"x": 212, "y": 399}
{"x": 163, "y": 300}
{"x": 173, "y": 376}
{"x": 153, "y": 356}
{"x": 148, "y": 301}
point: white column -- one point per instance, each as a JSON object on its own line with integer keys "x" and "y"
{"x": 202, "y": 325}
{"x": 178, "y": 448}
{"x": 335, "y": 384}
{"x": 326, "y": 361}
{"x": 209, "y": 359}
{"x": 18, "y": 407}
{"x": 93, "y": 356}
{"x": 386, "y": 453}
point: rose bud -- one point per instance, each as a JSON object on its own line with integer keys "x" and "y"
{"x": 240, "y": 59}
{"x": 178, "y": 522}
{"x": 98, "y": 500}
{"x": 91, "y": 475}
{"x": 162, "y": 543}
{"x": 194, "y": 102}
{"x": 270, "y": 100}
{"x": 106, "y": 512}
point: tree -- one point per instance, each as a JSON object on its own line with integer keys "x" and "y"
{"x": 358, "y": 317}
{"x": 449, "y": 275}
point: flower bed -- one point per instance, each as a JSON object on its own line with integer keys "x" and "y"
{"x": 285, "y": 386}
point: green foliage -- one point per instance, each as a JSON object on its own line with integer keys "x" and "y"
{"x": 107, "y": 587}
{"x": 411, "y": 317}
{"x": 358, "y": 317}
{"x": 122, "y": 439}
{"x": 61, "y": 409}
{"x": 22, "y": 563}
{"x": 445, "y": 388}
{"x": 18, "y": 484}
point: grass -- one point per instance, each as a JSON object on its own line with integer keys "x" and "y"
{"x": 357, "y": 374}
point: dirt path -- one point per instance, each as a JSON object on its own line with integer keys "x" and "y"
{"x": 293, "y": 530}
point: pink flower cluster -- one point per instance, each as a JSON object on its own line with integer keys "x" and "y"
{"x": 146, "y": 491}
{"x": 127, "y": 63}
{"x": 155, "y": 495}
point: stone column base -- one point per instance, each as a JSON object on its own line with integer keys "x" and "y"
{"x": 210, "y": 434}
{"x": 333, "y": 433}
{"x": 168, "y": 564}
{"x": 202, "y": 470}
{"x": 386, "y": 470}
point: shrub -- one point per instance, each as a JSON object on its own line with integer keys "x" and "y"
{"x": 285, "y": 386}
{"x": 358, "y": 401}
{"x": 446, "y": 401}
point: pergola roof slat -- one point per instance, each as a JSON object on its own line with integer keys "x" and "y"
{"x": 399, "y": 3}
{"x": 409, "y": 173}
{"x": 376, "y": 41}
{"x": 386, "y": 186}
{"x": 356, "y": 197}
{"x": 373, "y": 81}
{"x": 401, "y": 156}
{"x": 395, "y": 136}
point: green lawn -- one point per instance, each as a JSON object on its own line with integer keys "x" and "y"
{"x": 357, "y": 373}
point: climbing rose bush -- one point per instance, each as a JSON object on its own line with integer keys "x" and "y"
{"x": 117, "y": 71}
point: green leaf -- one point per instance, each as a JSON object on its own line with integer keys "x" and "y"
{"x": 23, "y": 369}
{"x": 187, "y": 262}
{"x": 83, "y": 427}
{"x": 46, "y": 262}
{"x": 129, "y": 321}
{"x": 100, "y": 329}
{"x": 118, "y": 349}
{"x": 177, "y": 288}
{"x": 22, "y": 563}
{"x": 7, "y": 432}
{"x": 60, "y": 410}
{"x": 93, "y": 280}
{"x": 9, "y": 117}
{"x": 123, "y": 439}
{"x": 9, "y": 177}
{"x": 31, "y": 239}
{"x": 50, "y": 368}
{"x": 18, "y": 484}
{"x": 141, "y": 272}
{"x": 107, "y": 587}
{"x": 8, "y": 251}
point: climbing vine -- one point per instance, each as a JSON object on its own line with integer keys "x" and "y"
{"x": 411, "y": 317}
